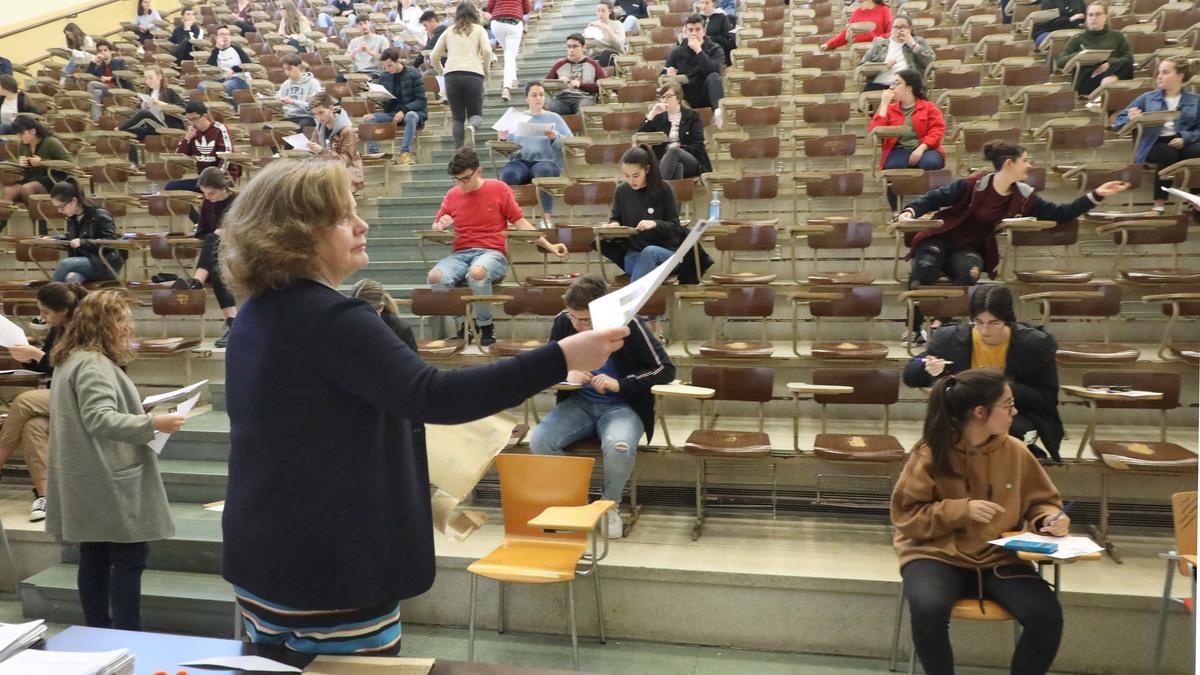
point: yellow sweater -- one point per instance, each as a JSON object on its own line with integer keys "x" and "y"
{"x": 984, "y": 355}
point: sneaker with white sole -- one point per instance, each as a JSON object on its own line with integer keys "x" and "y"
{"x": 38, "y": 512}
{"x": 615, "y": 526}
{"x": 915, "y": 338}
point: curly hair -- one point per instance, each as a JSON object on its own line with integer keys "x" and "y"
{"x": 102, "y": 323}
{"x": 271, "y": 232}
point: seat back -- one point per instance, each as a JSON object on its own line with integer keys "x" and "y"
{"x": 1176, "y": 233}
{"x": 876, "y": 386}
{"x": 748, "y": 238}
{"x": 530, "y": 484}
{"x": 753, "y": 187}
{"x": 844, "y": 235}
{"x": 605, "y": 153}
{"x": 439, "y": 301}
{"x": 955, "y": 306}
{"x": 535, "y": 300}
{"x": 736, "y": 384}
{"x": 744, "y": 301}
{"x": 589, "y": 194}
{"x": 576, "y": 239}
{"x": 856, "y": 301}
{"x": 837, "y": 185}
{"x": 1165, "y": 383}
{"x": 1108, "y": 304}
{"x": 1183, "y": 506}
{"x": 170, "y": 302}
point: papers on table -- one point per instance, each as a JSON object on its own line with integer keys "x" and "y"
{"x": 1188, "y": 197}
{"x": 510, "y": 121}
{"x": 10, "y": 333}
{"x": 185, "y": 406}
{"x": 297, "y": 141}
{"x": 368, "y": 665}
{"x": 255, "y": 663}
{"x": 15, "y": 637}
{"x": 1068, "y": 547}
{"x": 619, "y": 307}
{"x": 379, "y": 89}
{"x": 19, "y": 372}
{"x": 116, "y": 662}
{"x": 532, "y": 129}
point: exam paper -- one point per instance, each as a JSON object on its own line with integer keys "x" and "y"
{"x": 160, "y": 437}
{"x": 297, "y": 141}
{"x": 510, "y": 121}
{"x": 532, "y": 129}
{"x": 257, "y": 663}
{"x": 19, "y": 371}
{"x": 1068, "y": 547}
{"x": 619, "y": 307}
{"x": 1188, "y": 197}
{"x": 177, "y": 394}
{"x": 459, "y": 455}
{"x": 379, "y": 89}
{"x": 10, "y": 333}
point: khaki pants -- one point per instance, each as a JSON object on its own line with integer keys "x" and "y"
{"x": 28, "y": 429}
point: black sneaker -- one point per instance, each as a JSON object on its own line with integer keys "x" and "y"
{"x": 487, "y": 335}
{"x": 195, "y": 285}
{"x": 462, "y": 334}
{"x": 222, "y": 341}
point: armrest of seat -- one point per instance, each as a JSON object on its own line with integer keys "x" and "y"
{"x": 1086, "y": 57}
{"x": 495, "y": 297}
{"x": 650, "y": 137}
{"x": 1065, "y": 296}
{"x": 1098, "y": 394}
{"x": 889, "y": 131}
{"x": 503, "y": 147}
{"x": 919, "y": 293}
{"x": 1030, "y": 556}
{"x": 1027, "y": 224}
{"x": 812, "y": 296}
{"x": 799, "y": 388}
{"x": 566, "y": 386}
{"x": 1170, "y": 297}
{"x": 442, "y": 236}
{"x": 45, "y": 243}
{"x": 680, "y": 390}
{"x": 901, "y": 227}
{"x": 572, "y": 518}
{"x": 1136, "y": 224}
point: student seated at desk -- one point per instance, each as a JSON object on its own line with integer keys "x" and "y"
{"x": 966, "y": 482}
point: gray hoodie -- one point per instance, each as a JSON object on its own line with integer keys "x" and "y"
{"x": 300, "y": 92}
{"x": 341, "y": 120}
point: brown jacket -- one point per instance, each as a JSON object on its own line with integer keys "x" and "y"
{"x": 931, "y": 515}
{"x": 341, "y": 142}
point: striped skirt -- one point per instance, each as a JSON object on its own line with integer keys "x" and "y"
{"x": 373, "y": 630}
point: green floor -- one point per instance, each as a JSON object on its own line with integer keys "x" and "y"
{"x": 618, "y": 656}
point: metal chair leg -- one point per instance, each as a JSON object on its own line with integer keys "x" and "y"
{"x": 471, "y": 624}
{"x": 571, "y": 616}
{"x": 238, "y": 624}
{"x": 896, "y": 631}
{"x": 599, "y": 603}
{"x": 698, "y": 528}
{"x": 503, "y": 593}
{"x": 1160, "y": 635}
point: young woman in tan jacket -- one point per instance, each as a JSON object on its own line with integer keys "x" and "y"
{"x": 966, "y": 482}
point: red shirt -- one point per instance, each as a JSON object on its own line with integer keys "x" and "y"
{"x": 927, "y": 123}
{"x": 511, "y": 9}
{"x": 481, "y": 216}
{"x": 879, "y": 15}
{"x": 979, "y": 224}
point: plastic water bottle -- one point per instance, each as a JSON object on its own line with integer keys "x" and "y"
{"x": 714, "y": 207}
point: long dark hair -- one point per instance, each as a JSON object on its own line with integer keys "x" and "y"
{"x": 60, "y": 297}
{"x": 997, "y": 152}
{"x": 643, "y": 156}
{"x": 67, "y": 189}
{"x": 994, "y": 299}
{"x": 951, "y": 401}
{"x": 917, "y": 83}
{"x": 26, "y": 122}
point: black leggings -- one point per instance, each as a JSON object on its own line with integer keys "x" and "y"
{"x": 110, "y": 577}
{"x": 208, "y": 261}
{"x": 932, "y": 586}
{"x": 1089, "y": 81}
{"x": 464, "y": 91}
{"x": 936, "y": 256}
{"x": 1163, "y": 155}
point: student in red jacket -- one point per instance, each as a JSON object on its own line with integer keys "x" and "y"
{"x": 906, "y": 104}
{"x": 867, "y": 10}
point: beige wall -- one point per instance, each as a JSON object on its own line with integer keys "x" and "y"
{"x": 30, "y": 44}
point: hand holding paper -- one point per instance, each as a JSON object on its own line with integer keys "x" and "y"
{"x": 11, "y": 334}
{"x": 297, "y": 141}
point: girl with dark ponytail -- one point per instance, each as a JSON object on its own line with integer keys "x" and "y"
{"x": 966, "y": 482}
{"x": 37, "y": 143}
{"x": 87, "y": 224}
{"x": 27, "y": 427}
{"x": 646, "y": 203}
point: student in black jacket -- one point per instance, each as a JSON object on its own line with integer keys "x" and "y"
{"x": 87, "y": 224}
{"x": 683, "y": 155}
{"x": 647, "y": 203}
{"x": 229, "y": 58}
{"x": 614, "y": 402}
{"x": 13, "y": 102}
{"x": 718, "y": 27}
{"x": 185, "y": 31}
{"x": 150, "y": 119}
{"x": 701, "y": 60}
{"x": 629, "y": 13}
{"x": 994, "y": 339}
{"x": 104, "y": 66}
{"x": 1071, "y": 14}
{"x": 434, "y": 29}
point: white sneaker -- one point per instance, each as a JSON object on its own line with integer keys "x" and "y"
{"x": 615, "y": 527}
{"x": 38, "y": 512}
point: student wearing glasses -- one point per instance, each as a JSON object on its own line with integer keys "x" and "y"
{"x": 683, "y": 155}
{"x": 995, "y": 339}
{"x": 479, "y": 210}
{"x": 87, "y": 225}
{"x": 966, "y": 482}
{"x": 613, "y": 402}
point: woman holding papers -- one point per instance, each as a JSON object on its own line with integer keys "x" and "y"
{"x": 541, "y": 154}
{"x": 104, "y": 489}
{"x": 967, "y": 482}
{"x": 1175, "y": 140}
{"x": 327, "y": 522}
{"x": 27, "y": 427}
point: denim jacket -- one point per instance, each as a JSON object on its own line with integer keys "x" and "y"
{"x": 1187, "y": 125}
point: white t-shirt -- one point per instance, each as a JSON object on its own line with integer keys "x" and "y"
{"x": 895, "y": 53}
{"x": 8, "y": 110}
{"x": 228, "y": 58}
{"x": 1168, "y": 129}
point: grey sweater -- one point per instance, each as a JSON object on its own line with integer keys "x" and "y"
{"x": 300, "y": 92}
{"x": 103, "y": 480}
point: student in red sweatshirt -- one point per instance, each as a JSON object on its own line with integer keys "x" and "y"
{"x": 867, "y": 10}
{"x": 204, "y": 139}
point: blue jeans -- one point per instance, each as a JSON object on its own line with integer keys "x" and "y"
{"x": 575, "y": 419}
{"x": 898, "y": 159}
{"x": 326, "y": 21}
{"x": 640, "y": 263}
{"x": 456, "y": 267}
{"x": 231, "y": 85}
{"x": 1040, "y": 38}
{"x": 79, "y": 269}
{"x": 411, "y": 121}
{"x": 520, "y": 172}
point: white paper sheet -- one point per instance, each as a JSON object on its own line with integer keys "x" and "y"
{"x": 593, "y": 33}
{"x": 379, "y": 89}
{"x": 1068, "y": 547}
{"x": 17, "y": 636}
{"x": 1188, "y": 197}
{"x": 297, "y": 141}
{"x": 533, "y": 129}
{"x": 620, "y": 306}
{"x": 218, "y": 507}
{"x": 160, "y": 437}
{"x": 178, "y": 394}
{"x": 61, "y": 663}
{"x": 368, "y": 665}
{"x": 244, "y": 663}
{"x": 19, "y": 371}
{"x": 10, "y": 333}
{"x": 510, "y": 121}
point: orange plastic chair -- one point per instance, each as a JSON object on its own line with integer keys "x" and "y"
{"x": 548, "y": 525}
{"x": 1183, "y": 559}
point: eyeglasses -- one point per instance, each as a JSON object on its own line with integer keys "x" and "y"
{"x": 466, "y": 178}
{"x": 57, "y": 205}
{"x": 990, "y": 325}
{"x": 578, "y": 320}
{"x": 1007, "y": 404}
{"x": 895, "y": 84}
{"x": 666, "y": 96}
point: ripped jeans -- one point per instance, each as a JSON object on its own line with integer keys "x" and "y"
{"x": 577, "y": 419}
{"x": 935, "y": 257}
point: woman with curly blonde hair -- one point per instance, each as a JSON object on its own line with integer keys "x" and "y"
{"x": 104, "y": 491}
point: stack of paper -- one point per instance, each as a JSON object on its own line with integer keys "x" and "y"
{"x": 15, "y": 637}
{"x": 183, "y": 408}
{"x": 1068, "y": 547}
{"x": 116, "y": 662}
